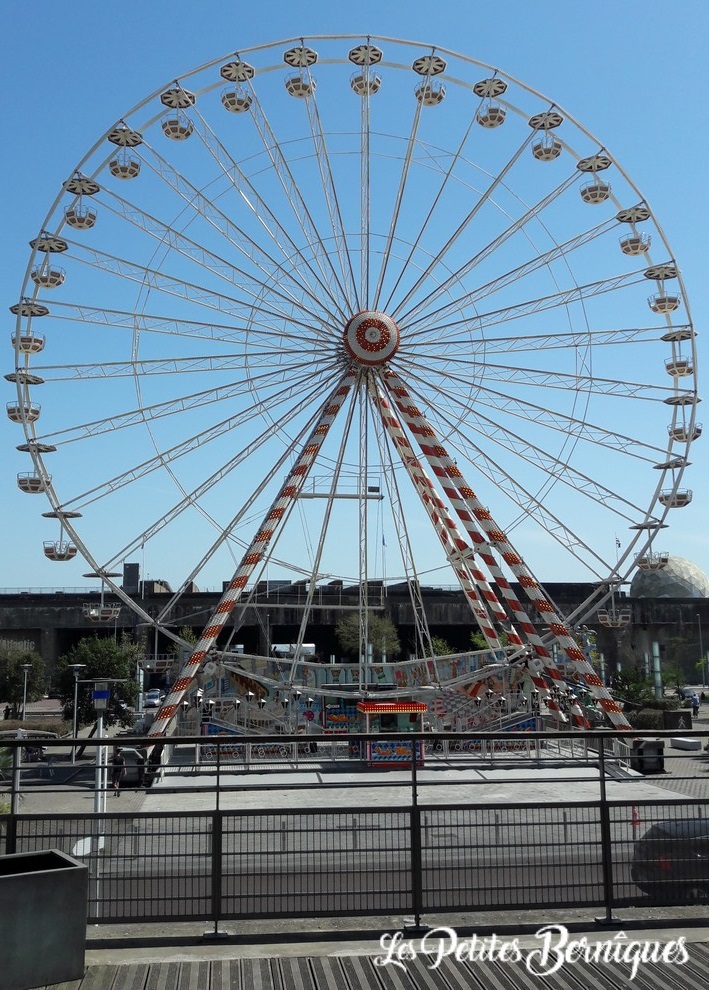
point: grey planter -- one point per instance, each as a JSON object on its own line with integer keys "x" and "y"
{"x": 43, "y": 906}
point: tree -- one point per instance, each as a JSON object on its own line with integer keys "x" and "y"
{"x": 441, "y": 647}
{"x": 12, "y": 677}
{"x": 382, "y": 635}
{"x": 102, "y": 658}
{"x": 478, "y": 641}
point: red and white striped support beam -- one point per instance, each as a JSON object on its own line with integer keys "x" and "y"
{"x": 466, "y": 502}
{"x": 274, "y": 517}
{"x": 441, "y": 463}
{"x": 458, "y": 552}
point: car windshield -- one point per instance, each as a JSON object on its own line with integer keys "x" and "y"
{"x": 688, "y": 828}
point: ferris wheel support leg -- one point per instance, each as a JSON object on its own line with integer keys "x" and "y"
{"x": 455, "y": 547}
{"x": 273, "y": 521}
{"x": 466, "y": 503}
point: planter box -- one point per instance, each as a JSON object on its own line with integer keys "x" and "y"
{"x": 43, "y": 906}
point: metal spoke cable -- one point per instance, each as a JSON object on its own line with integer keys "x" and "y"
{"x": 452, "y": 283}
{"x": 563, "y": 297}
{"x": 192, "y": 292}
{"x": 462, "y": 227}
{"x": 396, "y": 209}
{"x": 204, "y": 258}
{"x": 296, "y": 201}
{"x": 191, "y": 499}
{"x": 143, "y": 413}
{"x": 201, "y": 440}
{"x": 514, "y": 275}
{"x": 329, "y": 190}
{"x": 286, "y": 270}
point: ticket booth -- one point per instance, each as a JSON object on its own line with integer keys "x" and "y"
{"x": 392, "y": 716}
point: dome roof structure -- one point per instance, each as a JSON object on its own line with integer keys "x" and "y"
{"x": 679, "y": 578}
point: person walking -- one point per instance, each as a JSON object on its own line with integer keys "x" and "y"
{"x": 118, "y": 770}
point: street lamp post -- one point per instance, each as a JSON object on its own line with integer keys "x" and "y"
{"x": 77, "y": 668}
{"x": 701, "y": 649}
{"x": 26, "y": 668}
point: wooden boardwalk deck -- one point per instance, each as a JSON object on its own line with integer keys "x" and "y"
{"x": 359, "y": 972}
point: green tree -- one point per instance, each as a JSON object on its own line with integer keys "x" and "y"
{"x": 382, "y": 635}
{"x": 477, "y": 640}
{"x": 101, "y": 658}
{"x": 673, "y": 678}
{"x": 441, "y": 647}
{"x": 12, "y": 677}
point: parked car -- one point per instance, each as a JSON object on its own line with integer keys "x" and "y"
{"x": 153, "y": 698}
{"x": 671, "y": 861}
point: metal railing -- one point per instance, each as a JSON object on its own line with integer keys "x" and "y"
{"x": 405, "y": 844}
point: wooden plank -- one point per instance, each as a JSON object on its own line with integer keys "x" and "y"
{"x": 131, "y": 976}
{"x": 96, "y": 978}
{"x": 295, "y": 973}
{"x": 327, "y": 973}
{"x": 226, "y": 975}
{"x": 256, "y": 974}
{"x": 163, "y": 976}
{"x": 194, "y": 975}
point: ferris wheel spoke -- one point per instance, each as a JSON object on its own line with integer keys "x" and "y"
{"x": 298, "y": 205}
{"x": 189, "y": 499}
{"x": 553, "y": 419}
{"x": 368, "y": 86}
{"x": 582, "y": 382}
{"x": 453, "y": 281}
{"x": 169, "y": 407}
{"x": 567, "y": 340}
{"x": 236, "y": 236}
{"x": 143, "y": 323}
{"x": 516, "y": 275}
{"x": 449, "y": 171}
{"x": 398, "y": 202}
{"x": 205, "y": 259}
{"x": 564, "y": 297}
{"x": 167, "y": 366}
{"x": 198, "y": 294}
{"x": 329, "y": 189}
{"x": 277, "y": 408}
{"x": 452, "y": 240}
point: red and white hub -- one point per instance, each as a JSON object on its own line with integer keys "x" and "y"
{"x": 371, "y": 337}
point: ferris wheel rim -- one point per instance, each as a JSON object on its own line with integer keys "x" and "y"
{"x": 37, "y": 458}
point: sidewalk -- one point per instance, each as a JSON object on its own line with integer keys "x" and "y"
{"x": 352, "y": 966}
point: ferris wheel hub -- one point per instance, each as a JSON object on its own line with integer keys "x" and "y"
{"x": 371, "y": 337}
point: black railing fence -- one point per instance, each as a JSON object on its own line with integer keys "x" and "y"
{"x": 407, "y": 841}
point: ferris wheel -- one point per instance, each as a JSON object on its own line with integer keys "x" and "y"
{"x": 355, "y": 311}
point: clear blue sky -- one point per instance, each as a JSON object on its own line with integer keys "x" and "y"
{"x": 634, "y": 73}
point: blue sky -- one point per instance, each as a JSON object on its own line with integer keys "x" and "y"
{"x": 632, "y": 73}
